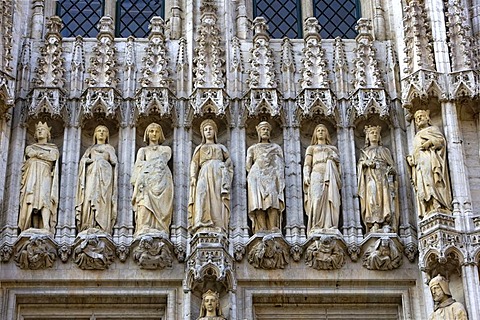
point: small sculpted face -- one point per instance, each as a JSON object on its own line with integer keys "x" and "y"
{"x": 210, "y": 302}
{"x": 154, "y": 135}
{"x": 374, "y": 136}
{"x": 264, "y": 133}
{"x": 437, "y": 293}
{"x": 209, "y": 132}
{"x": 421, "y": 119}
{"x": 101, "y": 134}
{"x": 321, "y": 133}
{"x": 41, "y": 133}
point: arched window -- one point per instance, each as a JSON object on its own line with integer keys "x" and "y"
{"x": 80, "y": 18}
{"x": 283, "y": 17}
{"x": 337, "y": 17}
{"x": 133, "y": 16}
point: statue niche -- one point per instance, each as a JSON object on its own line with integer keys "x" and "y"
{"x": 429, "y": 167}
{"x": 266, "y": 182}
{"x": 211, "y": 174}
{"x": 322, "y": 182}
{"x": 39, "y": 183}
{"x": 377, "y": 187}
{"x": 96, "y": 197}
{"x": 152, "y": 182}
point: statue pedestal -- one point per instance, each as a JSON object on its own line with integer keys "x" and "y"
{"x": 35, "y": 249}
{"x": 209, "y": 260}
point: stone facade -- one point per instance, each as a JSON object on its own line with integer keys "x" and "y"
{"x": 211, "y": 59}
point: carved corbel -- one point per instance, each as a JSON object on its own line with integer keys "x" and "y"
{"x": 35, "y": 250}
{"x": 268, "y": 252}
{"x": 385, "y": 254}
{"x": 325, "y": 252}
{"x": 93, "y": 250}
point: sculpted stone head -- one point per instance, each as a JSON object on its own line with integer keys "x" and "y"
{"x": 439, "y": 288}
{"x": 101, "y": 132}
{"x": 321, "y": 131}
{"x": 263, "y": 130}
{"x": 153, "y": 128}
{"x": 42, "y": 131}
{"x": 210, "y": 304}
{"x": 373, "y": 132}
{"x": 208, "y": 123}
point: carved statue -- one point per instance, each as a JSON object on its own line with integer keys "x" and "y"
{"x": 93, "y": 254}
{"x": 321, "y": 182}
{"x": 210, "y": 309}
{"x": 39, "y": 184}
{"x": 376, "y": 183}
{"x": 325, "y": 254}
{"x": 446, "y": 308}
{"x": 383, "y": 256}
{"x": 429, "y": 167}
{"x": 96, "y": 205}
{"x": 152, "y": 253}
{"x": 268, "y": 254}
{"x": 211, "y": 174}
{"x": 36, "y": 253}
{"x": 266, "y": 182}
{"x": 152, "y": 184}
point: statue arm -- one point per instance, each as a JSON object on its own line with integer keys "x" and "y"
{"x": 249, "y": 161}
{"x": 194, "y": 166}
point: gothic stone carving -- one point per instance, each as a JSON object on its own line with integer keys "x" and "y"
{"x": 152, "y": 251}
{"x": 93, "y": 250}
{"x": 383, "y": 255}
{"x": 96, "y": 205}
{"x": 266, "y": 182}
{"x": 325, "y": 253}
{"x": 429, "y": 170}
{"x": 210, "y": 260}
{"x": 269, "y": 252}
{"x": 210, "y": 308}
{"x": 211, "y": 174}
{"x": 35, "y": 250}
{"x": 39, "y": 184}
{"x": 445, "y": 306}
{"x": 101, "y": 94}
{"x": 48, "y": 95}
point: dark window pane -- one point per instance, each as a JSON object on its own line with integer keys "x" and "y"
{"x": 337, "y": 17}
{"x": 80, "y": 18}
{"x": 133, "y": 16}
{"x": 283, "y": 17}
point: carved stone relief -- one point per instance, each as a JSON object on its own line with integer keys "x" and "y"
{"x": 271, "y": 252}
{"x": 35, "y": 250}
{"x": 151, "y": 251}
{"x": 93, "y": 250}
{"x": 325, "y": 253}
{"x": 383, "y": 255}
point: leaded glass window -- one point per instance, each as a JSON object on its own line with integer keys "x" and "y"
{"x": 283, "y": 17}
{"x": 133, "y": 16}
{"x": 337, "y": 17}
{"x": 80, "y": 18}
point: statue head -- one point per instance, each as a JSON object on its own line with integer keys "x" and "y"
{"x": 213, "y": 125}
{"x": 264, "y": 129}
{"x": 101, "y": 130}
{"x": 439, "y": 288}
{"x": 42, "y": 129}
{"x": 372, "y": 129}
{"x": 210, "y": 304}
{"x": 150, "y": 127}
{"x": 422, "y": 118}
{"x": 315, "y": 135}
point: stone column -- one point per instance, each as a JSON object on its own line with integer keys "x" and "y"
{"x": 471, "y": 288}
{"x": 5, "y": 131}
{"x": 37, "y": 21}
{"x": 295, "y": 227}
